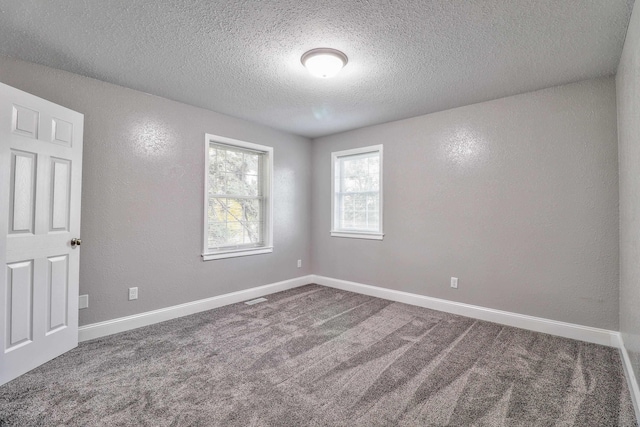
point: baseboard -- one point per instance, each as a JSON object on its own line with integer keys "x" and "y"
{"x": 101, "y": 329}
{"x": 537, "y": 324}
{"x": 632, "y": 381}
{"x": 563, "y": 329}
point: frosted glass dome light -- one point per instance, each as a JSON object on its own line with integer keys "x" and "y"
{"x": 324, "y": 62}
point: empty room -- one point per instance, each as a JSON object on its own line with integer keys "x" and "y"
{"x": 305, "y": 213}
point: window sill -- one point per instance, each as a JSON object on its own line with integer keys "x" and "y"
{"x": 236, "y": 253}
{"x": 356, "y": 235}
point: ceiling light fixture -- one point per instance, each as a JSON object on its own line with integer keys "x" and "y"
{"x": 324, "y": 62}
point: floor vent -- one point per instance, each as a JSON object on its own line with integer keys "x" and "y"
{"x": 255, "y": 301}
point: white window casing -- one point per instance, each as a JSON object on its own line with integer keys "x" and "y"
{"x": 238, "y": 198}
{"x": 356, "y": 193}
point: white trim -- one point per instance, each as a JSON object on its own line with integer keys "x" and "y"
{"x": 101, "y": 329}
{"x": 236, "y": 253}
{"x": 345, "y": 153}
{"x": 268, "y": 198}
{"x": 358, "y": 235}
{"x": 236, "y": 143}
{"x": 538, "y": 324}
{"x": 630, "y": 375}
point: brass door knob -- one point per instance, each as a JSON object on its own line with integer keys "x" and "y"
{"x": 75, "y": 242}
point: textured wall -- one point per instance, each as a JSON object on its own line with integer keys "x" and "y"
{"x": 518, "y": 197}
{"x": 628, "y": 88}
{"x": 142, "y": 196}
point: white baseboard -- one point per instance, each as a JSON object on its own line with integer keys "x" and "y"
{"x": 537, "y": 324}
{"x": 632, "y": 381}
{"x": 101, "y": 329}
{"x": 553, "y": 327}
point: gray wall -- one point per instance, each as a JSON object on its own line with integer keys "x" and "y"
{"x": 142, "y": 196}
{"x": 518, "y": 197}
{"x": 628, "y": 87}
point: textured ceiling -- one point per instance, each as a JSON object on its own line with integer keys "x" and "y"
{"x": 242, "y": 58}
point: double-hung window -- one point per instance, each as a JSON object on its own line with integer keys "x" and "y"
{"x": 238, "y": 198}
{"x": 356, "y": 188}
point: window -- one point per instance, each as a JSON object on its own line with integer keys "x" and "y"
{"x": 237, "y": 206}
{"x": 357, "y": 193}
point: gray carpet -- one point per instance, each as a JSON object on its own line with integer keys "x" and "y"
{"x": 321, "y": 357}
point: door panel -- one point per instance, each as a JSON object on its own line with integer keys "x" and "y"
{"x": 62, "y": 132}
{"x": 60, "y": 186}
{"x": 20, "y": 303}
{"x": 58, "y": 293}
{"x": 40, "y": 187}
{"x": 25, "y": 122}
{"x": 23, "y": 187}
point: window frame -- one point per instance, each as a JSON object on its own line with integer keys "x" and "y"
{"x": 355, "y": 234}
{"x": 267, "y": 176}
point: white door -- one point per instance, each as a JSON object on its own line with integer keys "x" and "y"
{"x": 40, "y": 180}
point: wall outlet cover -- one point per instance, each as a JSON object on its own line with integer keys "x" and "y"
{"x": 83, "y": 302}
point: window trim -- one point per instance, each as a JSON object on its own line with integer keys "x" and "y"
{"x": 208, "y": 254}
{"x": 356, "y": 234}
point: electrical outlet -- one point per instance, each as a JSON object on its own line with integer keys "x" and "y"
{"x": 133, "y": 293}
{"x": 299, "y": 263}
{"x": 454, "y": 282}
{"x": 83, "y": 302}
